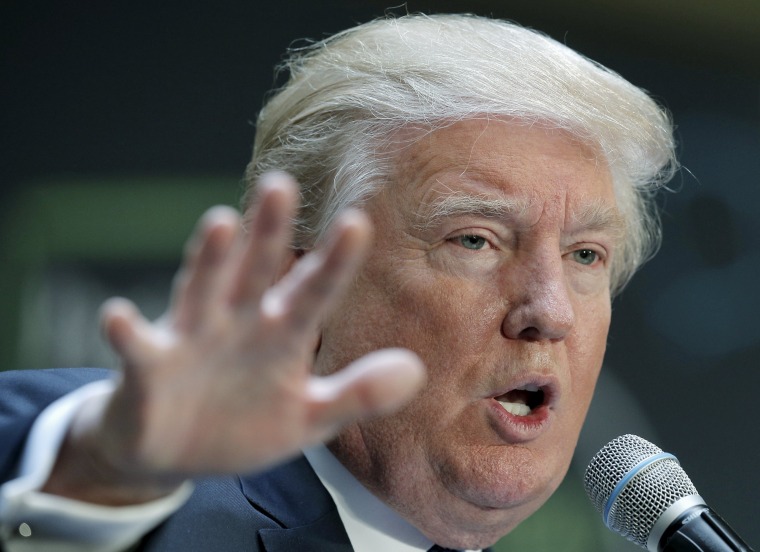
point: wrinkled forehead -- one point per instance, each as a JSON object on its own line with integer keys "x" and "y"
{"x": 483, "y": 143}
{"x": 502, "y": 168}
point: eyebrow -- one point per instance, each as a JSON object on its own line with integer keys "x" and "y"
{"x": 458, "y": 204}
{"x": 600, "y": 216}
{"x": 596, "y": 215}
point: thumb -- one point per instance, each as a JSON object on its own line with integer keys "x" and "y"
{"x": 377, "y": 383}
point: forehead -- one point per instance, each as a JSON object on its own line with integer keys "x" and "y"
{"x": 528, "y": 166}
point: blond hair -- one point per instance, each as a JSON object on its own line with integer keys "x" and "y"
{"x": 347, "y": 95}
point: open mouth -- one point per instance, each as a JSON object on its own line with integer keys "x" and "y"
{"x": 523, "y": 400}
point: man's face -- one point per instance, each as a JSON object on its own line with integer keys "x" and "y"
{"x": 491, "y": 260}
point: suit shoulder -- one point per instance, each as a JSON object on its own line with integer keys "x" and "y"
{"x": 26, "y": 393}
{"x": 30, "y": 391}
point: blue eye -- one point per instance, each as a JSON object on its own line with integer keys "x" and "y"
{"x": 471, "y": 241}
{"x": 585, "y": 256}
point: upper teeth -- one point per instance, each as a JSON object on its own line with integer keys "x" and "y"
{"x": 517, "y": 409}
{"x": 520, "y": 408}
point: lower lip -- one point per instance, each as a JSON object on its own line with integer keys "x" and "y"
{"x": 516, "y": 429}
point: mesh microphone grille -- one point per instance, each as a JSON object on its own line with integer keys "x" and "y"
{"x": 646, "y": 496}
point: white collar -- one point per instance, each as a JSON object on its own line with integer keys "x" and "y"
{"x": 371, "y": 525}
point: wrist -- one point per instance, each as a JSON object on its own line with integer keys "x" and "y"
{"x": 89, "y": 468}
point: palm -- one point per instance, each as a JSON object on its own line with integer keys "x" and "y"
{"x": 222, "y": 383}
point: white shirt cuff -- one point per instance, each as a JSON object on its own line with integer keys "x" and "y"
{"x": 34, "y": 521}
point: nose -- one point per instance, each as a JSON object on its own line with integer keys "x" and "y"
{"x": 540, "y": 306}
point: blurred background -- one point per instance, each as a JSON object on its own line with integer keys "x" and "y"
{"x": 121, "y": 122}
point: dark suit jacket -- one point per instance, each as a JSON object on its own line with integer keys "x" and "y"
{"x": 284, "y": 509}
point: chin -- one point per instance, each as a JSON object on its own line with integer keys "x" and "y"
{"x": 504, "y": 477}
{"x": 484, "y": 510}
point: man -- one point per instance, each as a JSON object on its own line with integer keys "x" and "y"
{"x": 506, "y": 180}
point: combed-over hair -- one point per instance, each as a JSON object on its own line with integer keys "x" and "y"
{"x": 347, "y": 96}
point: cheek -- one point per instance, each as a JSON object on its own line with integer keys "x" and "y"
{"x": 588, "y": 345}
{"x": 433, "y": 314}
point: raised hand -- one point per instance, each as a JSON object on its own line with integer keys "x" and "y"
{"x": 222, "y": 382}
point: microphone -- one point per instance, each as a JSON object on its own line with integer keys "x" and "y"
{"x": 644, "y": 495}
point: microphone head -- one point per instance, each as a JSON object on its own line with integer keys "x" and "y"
{"x": 632, "y": 483}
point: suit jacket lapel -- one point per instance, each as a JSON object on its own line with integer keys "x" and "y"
{"x": 293, "y": 496}
{"x": 322, "y": 535}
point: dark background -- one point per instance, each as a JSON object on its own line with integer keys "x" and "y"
{"x": 121, "y": 121}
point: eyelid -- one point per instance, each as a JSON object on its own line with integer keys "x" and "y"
{"x": 598, "y": 242}
{"x": 490, "y": 237}
{"x": 485, "y": 245}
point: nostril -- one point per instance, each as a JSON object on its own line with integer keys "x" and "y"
{"x": 531, "y": 333}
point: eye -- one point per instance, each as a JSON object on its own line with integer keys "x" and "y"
{"x": 471, "y": 241}
{"x": 585, "y": 256}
